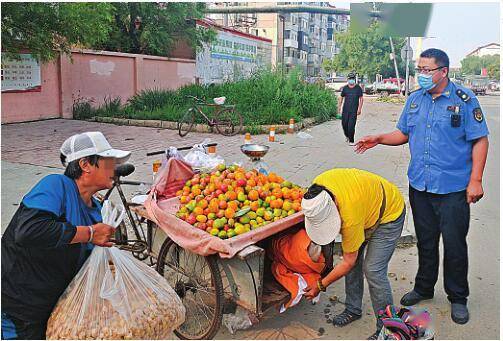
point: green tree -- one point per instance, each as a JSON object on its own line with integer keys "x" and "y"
{"x": 45, "y": 29}
{"x": 367, "y": 53}
{"x": 473, "y": 65}
{"x": 154, "y": 28}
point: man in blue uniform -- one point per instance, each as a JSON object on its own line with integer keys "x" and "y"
{"x": 53, "y": 232}
{"x": 447, "y": 135}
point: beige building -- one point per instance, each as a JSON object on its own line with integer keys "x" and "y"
{"x": 302, "y": 40}
{"x": 486, "y": 50}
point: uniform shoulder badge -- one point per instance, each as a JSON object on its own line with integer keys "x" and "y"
{"x": 477, "y": 115}
{"x": 461, "y": 94}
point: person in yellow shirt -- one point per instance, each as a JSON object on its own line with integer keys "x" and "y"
{"x": 369, "y": 212}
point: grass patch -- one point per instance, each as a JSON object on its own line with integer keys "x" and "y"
{"x": 268, "y": 97}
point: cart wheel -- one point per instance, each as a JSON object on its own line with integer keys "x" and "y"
{"x": 197, "y": 281}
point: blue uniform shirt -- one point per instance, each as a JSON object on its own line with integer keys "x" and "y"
{"x": 441, "y": 154}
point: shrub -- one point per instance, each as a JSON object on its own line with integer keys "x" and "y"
{"x": 267, "y": 97}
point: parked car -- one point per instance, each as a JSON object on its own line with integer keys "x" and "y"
{"x": 336, "y": 83}
{"x": 494, "y": 86}
{"x": 478, "y": 84}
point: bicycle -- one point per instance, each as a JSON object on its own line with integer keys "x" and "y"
{"x": 226, "y": 120}
{"x": 141, "y": 247}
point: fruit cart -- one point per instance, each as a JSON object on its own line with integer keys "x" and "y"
{"x": 214, "y": 276}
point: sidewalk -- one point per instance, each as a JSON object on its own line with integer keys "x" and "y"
{"x": 30, "y": 150}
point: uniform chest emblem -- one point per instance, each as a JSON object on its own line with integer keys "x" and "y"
{"x": 413, "y": 105}
{"x": 477, "y": 115}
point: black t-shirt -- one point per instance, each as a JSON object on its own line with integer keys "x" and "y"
{"x": 351, "y": 98}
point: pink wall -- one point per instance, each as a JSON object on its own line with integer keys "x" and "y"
{"x": 94, "y": 75}
{"x": 31, "y": 106}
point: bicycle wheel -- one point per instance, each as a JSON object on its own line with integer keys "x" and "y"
{"x": 197, "y": 281}
{"x": 229, "y": 122}
{"x": 186, "y": 122}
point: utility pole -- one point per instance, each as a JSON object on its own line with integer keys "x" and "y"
{"x": 396, "y": 67}
{"x": 407, "y": 61}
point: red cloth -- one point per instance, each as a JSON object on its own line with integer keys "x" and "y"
{"x": 171, "y": 177}
{"x": 291, "y": 258}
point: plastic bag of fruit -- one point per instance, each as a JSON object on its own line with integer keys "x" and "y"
{"x": 115, "y": 296}
{"x": 198, "y": 158}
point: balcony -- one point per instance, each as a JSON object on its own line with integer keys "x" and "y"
{"x": 290, "y": 26}
{"x": 313, "y": 59}
{"x": 291, "y": 61}
{"x": 291, "y": 43}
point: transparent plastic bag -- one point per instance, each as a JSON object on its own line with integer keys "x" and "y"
{"x": 240, "y": 320}
{"x": 198, "y": 158}
{"x": 115, "y": 296}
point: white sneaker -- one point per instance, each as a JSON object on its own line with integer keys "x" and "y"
{"x": 352, "y": 144}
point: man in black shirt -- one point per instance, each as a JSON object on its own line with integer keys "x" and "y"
{"x": 352, "y": 97}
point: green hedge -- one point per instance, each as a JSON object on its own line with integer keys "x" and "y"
{"x": 265, "y": 98}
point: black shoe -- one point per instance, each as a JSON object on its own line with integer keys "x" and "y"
{"x": 344, "y": 318}
{"x": 459, "y": 313}
{"x": 412, "y": 298}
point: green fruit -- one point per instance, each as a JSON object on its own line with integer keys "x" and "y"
{"x": 231, "y": 222}
{"x": 222, "y": 235}
{"x": 241, "y": 196}
{"x": 232, "y": 168}
{"x": 214, "y": 232}
{"x": 252, "y": 215}
{"x": 260, "y": 212}
{"x": 218, "y": 224}
{"x": 191, "y": 205}
{"x": 286, "y": 184}
{"x": 247, "y": 229}
{"x": 244, "y": 220}
{"x": 277, "y": 212}
{"x": 188, "y": 183}
{"x": 247, "y": 203}
{"x": 221, "y": 167}
{"x": 212, "y": 216}
{"x": 291, "y": 212}
{"x": 231, "y": 233}
{"x": 284, "y": 213}
{"x": 260, "y": 220}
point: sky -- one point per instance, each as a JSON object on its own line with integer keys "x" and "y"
{"x": 458, "y": 27}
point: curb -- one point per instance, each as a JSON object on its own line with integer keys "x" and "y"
{"x": 200, "y": 128}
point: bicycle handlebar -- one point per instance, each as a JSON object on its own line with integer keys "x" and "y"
{"x": 181, "y": 148}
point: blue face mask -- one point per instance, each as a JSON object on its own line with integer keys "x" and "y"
{"x": 351, "y": 82}
{"x": 426, "y": 81}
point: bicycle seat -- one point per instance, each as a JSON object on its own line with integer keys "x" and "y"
{"x": 124, "y": 170}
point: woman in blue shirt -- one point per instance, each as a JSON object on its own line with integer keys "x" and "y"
{"x": 53, "y": 232}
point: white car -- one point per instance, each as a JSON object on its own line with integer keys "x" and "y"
{"x": 336, "y": 83}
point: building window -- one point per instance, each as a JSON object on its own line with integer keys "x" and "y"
{"x": 287, "y": 34}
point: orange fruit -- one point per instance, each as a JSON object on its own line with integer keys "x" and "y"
{"x": 196, "y": 191}
{"x": 179, "y": 193}
{"x": 203, "y": 203}
{"x": 272, "y": 177}
{"x": 278, "y": 193}
{"x": 231, "y": 195}
{"x": 222, "y": 204}
{"x": 253, "y": 195}
{"x": 294, "y": 194}
{"x": 198, "y": 210}
{"x": 213, "y": 207}
{"x": 251, "y": 183}
{"x": 229, "y": 213}
{"x": 233, "y": 205}
{"x": 254, "y": 206}
{"x": 296, "y": 206}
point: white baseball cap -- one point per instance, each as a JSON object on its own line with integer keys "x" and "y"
{"x": 91, "y": 143}
{"x": 322, "y": 219}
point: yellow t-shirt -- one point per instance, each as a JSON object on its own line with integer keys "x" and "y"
{"x": 358, "y": 195}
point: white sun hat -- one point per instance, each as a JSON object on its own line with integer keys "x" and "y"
{"x": 91, "y": 143}
{"x": 322, "y": 219}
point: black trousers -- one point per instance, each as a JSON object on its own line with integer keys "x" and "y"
{"x": 16, "y": 329}
{"x": 446, "y": 215}
{"x": 348, "y": 125}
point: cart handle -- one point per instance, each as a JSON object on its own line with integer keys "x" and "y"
{"x": 182, "y": 148}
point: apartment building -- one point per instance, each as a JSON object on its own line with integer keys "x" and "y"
{"x": 302, "y": 40}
